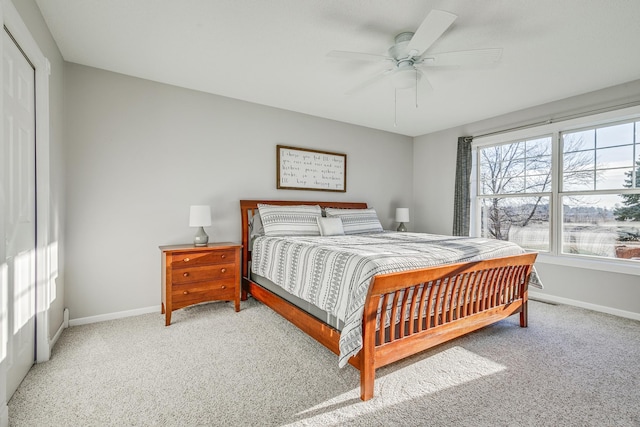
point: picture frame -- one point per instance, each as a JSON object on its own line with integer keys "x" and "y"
{"x": 307, "y": 169}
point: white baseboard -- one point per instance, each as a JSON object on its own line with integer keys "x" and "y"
{"x": 532, "y": 294}
{"x": 4, "y": 416}
{"x": 601, "y": 308}
{"x": 54, "y": 340}
{"x": 111, "y": 316}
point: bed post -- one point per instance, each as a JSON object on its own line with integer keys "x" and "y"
{"x": 523, "y": 310}
{"x": 368, "y": 351}
{"x": 246, "y": 241}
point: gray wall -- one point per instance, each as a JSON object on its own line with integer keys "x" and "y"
{"x": 139, "y": 153}
{"x": 434, "y": 177}
{"x": 30, "y": 14}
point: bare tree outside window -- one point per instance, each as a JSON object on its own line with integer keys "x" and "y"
{"x": 519, "y": 168}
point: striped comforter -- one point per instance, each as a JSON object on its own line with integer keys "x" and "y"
{"x": 334, "y": 272}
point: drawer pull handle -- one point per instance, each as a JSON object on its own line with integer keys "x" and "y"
{"x": 186, "y": 260}
{"x": 224, "y": 270}
{"x": 223, "y": 256}
{"x": 223, "y": 287}
{"x": 185, "y": 293}
{"x": 185, "y": 274}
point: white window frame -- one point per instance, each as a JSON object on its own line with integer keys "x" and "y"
{"x": 554, "y": 256}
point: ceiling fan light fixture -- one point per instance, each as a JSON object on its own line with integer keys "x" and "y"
{"x": 405, "y": 78}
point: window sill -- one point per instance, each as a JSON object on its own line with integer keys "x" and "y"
{"x": 610, "y": 265}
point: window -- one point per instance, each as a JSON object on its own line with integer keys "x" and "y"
{"x": 515, "y": 192}
{"x": 572, "y": 191}
{"x": 600, "y": 195}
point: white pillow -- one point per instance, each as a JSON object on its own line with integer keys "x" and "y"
{"x": 356, "y": 221}
{"x": 290, "y": 220}
{"x": 330, "y": 226}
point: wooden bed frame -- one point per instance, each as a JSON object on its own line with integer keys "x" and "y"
{"x": 461, "y": 298}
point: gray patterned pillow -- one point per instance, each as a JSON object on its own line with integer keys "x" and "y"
{"x": 290, "y": 220}
{"x": 355, "y": 221}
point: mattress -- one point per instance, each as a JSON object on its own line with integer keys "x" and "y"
{"x": 316, "y": 312}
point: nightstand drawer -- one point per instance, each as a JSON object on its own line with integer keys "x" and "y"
{"x": 206, "y": 272}
{"x": 188, "y": 294}
{"x": 190, "y": 259}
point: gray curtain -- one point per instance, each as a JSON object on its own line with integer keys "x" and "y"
{"x": 462, "y": 197}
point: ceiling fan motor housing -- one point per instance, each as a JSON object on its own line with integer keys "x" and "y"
{"x": 399, "y": 49}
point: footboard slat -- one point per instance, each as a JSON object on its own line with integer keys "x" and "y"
{"x": 473, "y": 286}
{"x": 383, "y": 319}
{"x": 394, "y": 316}
{"x": 450, "y": 298}
{"x": 430, "y": 305}
{"x": 403, "y": 311}
{"x": 414, "y": 300}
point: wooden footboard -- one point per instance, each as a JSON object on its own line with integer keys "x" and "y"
{"x": 408, "y": 312}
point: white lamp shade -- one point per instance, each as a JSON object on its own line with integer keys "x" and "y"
{"x": 402, "y": 214}
{"x": 200, "y": 216}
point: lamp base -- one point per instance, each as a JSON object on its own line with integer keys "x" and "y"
{"x": 201, "y": 238}
{"x": 402, "y": 227}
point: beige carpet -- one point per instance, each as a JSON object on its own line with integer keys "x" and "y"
{"x": 213, "y": 366}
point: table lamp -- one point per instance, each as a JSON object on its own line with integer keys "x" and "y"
{"x": 402, "y": 216}
{"x": 200, "y": 216}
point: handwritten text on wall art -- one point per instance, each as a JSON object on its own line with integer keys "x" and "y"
{"x": 305, "y": 169}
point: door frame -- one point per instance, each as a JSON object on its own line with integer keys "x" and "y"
{"x": 46, "y": 250}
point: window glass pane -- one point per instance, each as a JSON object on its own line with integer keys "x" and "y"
{"x": 538, "y": 165}
{"x": 522, "y": 220}
{"x": 539, "y": 147}
{"x": 614, "y": 135}
{"x": 612, "y": 179}
{"x": 506, "y": 169}
{"x": 578, "y": 161}
{"x": 576, "y": 141}
{"x": 538, "y": 183}
{"x": 602, "y": 225}
{"x": 616, "y": 157}
{"x": 578, "y": 181}
{"x": 513, "y": 184}
{"x": 629, "y": 183}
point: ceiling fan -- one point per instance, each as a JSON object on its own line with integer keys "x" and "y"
{"x": 408, "y": 55}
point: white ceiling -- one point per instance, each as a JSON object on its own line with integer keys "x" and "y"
{"x": 274, "y": 52}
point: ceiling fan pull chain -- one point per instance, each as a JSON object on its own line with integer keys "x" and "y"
{"x": 416, "y": 88}
{"x": 395, "y": 108}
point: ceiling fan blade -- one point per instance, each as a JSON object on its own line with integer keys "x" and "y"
{"x": 462, "y": 58}
{"x": 436, "y": 23}
{"x": 358, "y": 56}
{"x": 370, "y": 81}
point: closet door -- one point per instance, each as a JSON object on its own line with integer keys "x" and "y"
{"x": 19, "y": 216}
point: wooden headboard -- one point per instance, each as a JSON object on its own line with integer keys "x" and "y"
{"x": 248, "y": 208}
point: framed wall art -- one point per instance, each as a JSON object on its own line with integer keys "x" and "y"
{"x": 306, "y": 169}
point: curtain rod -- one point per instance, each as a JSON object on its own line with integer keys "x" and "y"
{"x": 562, "y": 119}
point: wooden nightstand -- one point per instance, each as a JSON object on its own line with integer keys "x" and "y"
{"x": 194, "y": 274}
